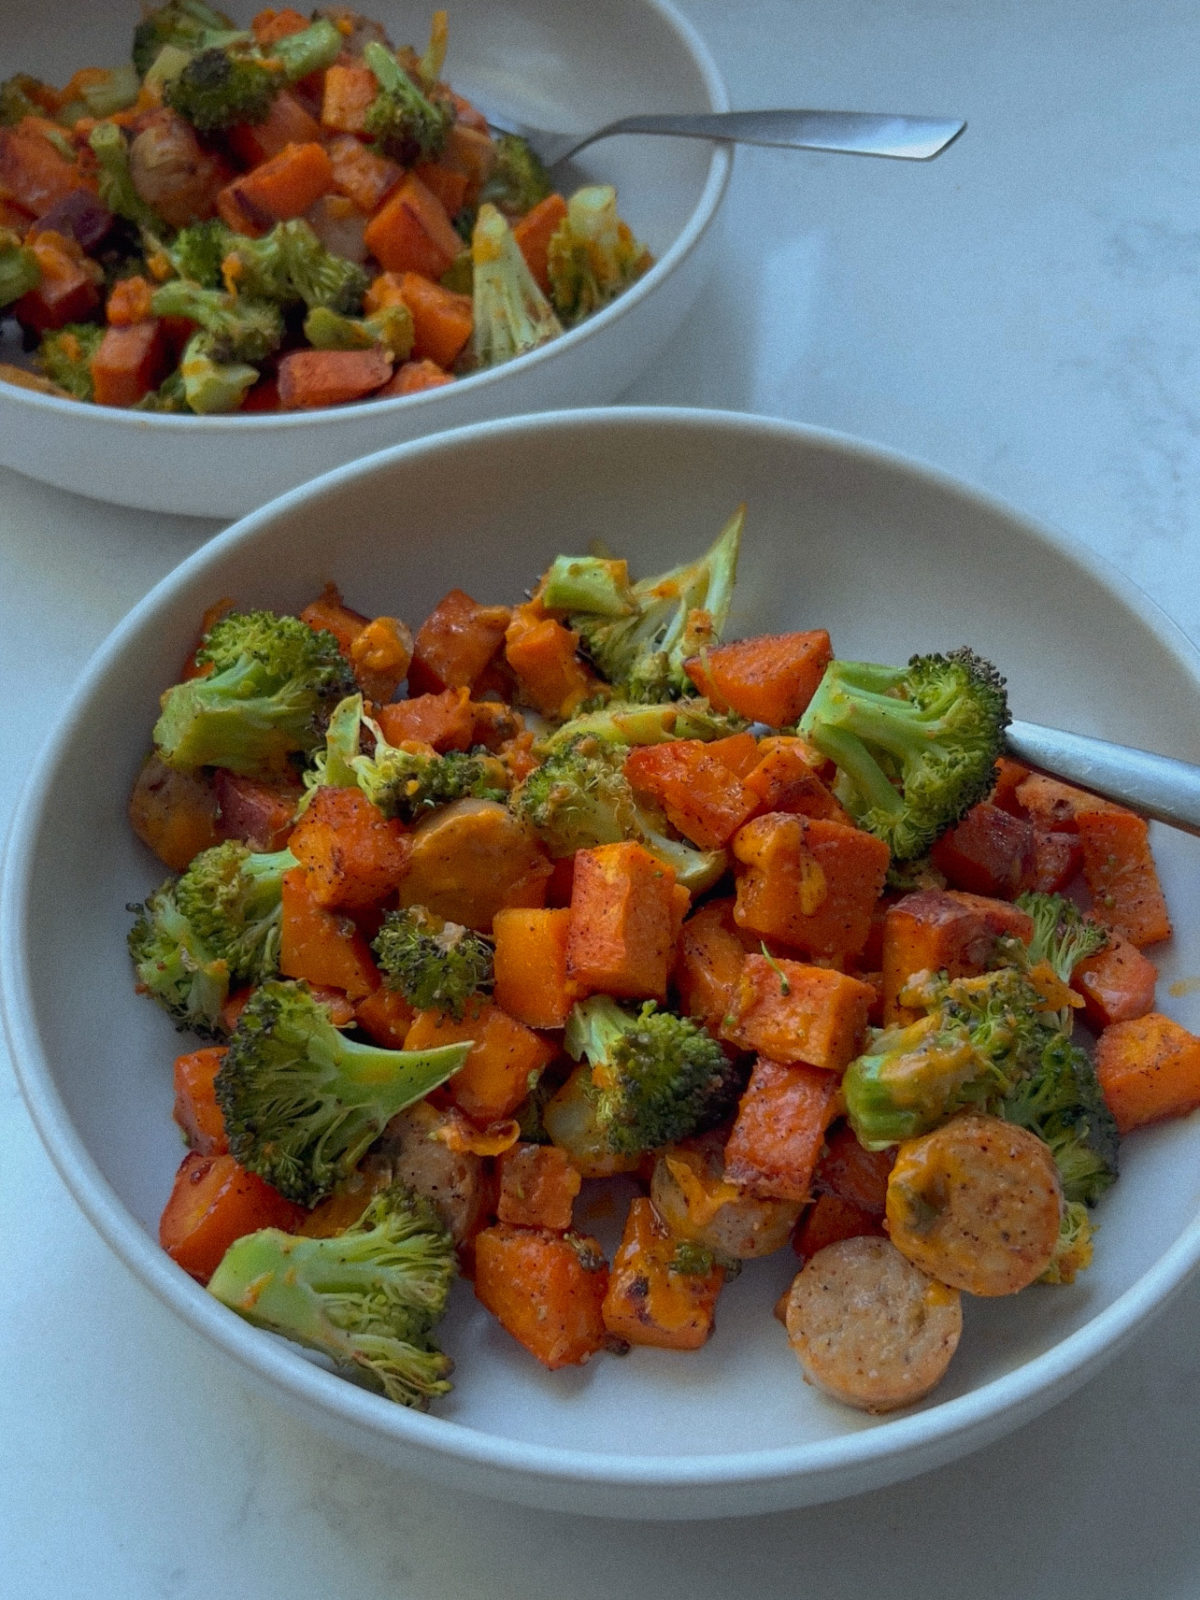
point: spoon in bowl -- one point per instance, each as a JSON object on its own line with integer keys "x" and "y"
{"x": 861, "y": 133}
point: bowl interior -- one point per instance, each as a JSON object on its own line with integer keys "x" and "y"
{"x": 892, "y": 559}
{"x": 550, "y": 64}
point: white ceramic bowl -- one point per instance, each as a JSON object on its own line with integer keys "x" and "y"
{"x": 893, "y": 558}
{"x": 550, "y": 63}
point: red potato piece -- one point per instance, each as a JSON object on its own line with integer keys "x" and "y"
{"x": 870, "y": 1328}
{"x": 977, "y": 1203}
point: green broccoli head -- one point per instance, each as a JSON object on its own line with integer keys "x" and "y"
{"x": 220, "y": 87}
{"x": 1061, "y": 1101}
{"x": 185, "y": 25}
{"x": 207, "y": 381}
{"x": 390, "y": 328}
{"x": 579, "y": 797}
{"x": 1062, "y": 935}
{"x": 368, "y": 1298}
{"x": 518, "y": 181}
{"x": 511, "y": 314}
{"x": 592, "y": 256}
{"x": 19, "y": 269}
{"x": 232, "y": 898}
{"x": 175, "y": 966}
{"x": 271, "y": 684}
{"x": 65, "y": 356}
{"x": 653, "y": 1077}
{"x": 198, "y": 251}
{"x": 302, "y": 1102}
{"x": 407, "y": 122}
{"x": 626, "y": 722}
{"x": 436, "y": 965}
{"x": 216, "y": 925}
{"x": 915, "y": 746}
{"x": 408, "y": 783}
{"x": 639, "y": 635}
{"x": 238, "y": 327}
{"x": 978, "y": 1038}
{"x": 290, "y": 266}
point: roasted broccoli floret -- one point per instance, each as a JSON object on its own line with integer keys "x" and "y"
{"x": 579, "y": 797}
{"x": 592, "y": 255}
{"x": 511, "y": 314}
{"x": 1073, "y": 1251}
{"x": 639, "y": 635}
{"x": 518, "y": 181}
{"x": 1061, "y": 1101}
{"x": 302, "y": 1102}
{"x": 406, "y": 783}
{"x": 978, "y": 1039}
{"x": 23, "y": 96}
{"x": 628, "y": 723}
{"x": 221, "y": 87}
{"x": 368, "y": 1298}
{"x": 407, "y": 121}
{"x": 650, "y": 1077}
{"x": 184, "y": 25}
{"x": 915, "y": 746}
{"x": 436, "y": 965}
{"x": 64, "y": 355}
{"x": 272, "y": 682}
{"x": 207, "y": 383}
{"x": 114, "y": 180}
{"x": 198, "y": 252}
{"x": 216, "y": 925}
{"x": 225, "y": 84}
{"x": 19, "y": 270}
{"x": 1062, "y": 935}
{"x": 239, "y": 328}
{"x": 291, "y": 266}
{"x": 390, "y": 328}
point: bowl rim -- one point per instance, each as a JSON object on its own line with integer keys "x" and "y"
{"x": 704, "y": 212}
{"x": 1022, "y": 1392}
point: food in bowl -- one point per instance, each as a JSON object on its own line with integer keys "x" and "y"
{"x": 287, "y": 216}
{"x": 774, "y": 947}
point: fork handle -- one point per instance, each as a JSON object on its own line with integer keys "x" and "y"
{"x": 862, "y": 133}
{"x": 1156, "y": 786}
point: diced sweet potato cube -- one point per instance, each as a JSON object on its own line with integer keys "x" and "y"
{"x": 506, "y": 1061}
{"x": 1118, "y": 867}
{"x": 652, "y": 1298}
{"x": 777, "y": 1136}
{"x": 456, "y": 643}
{"x": 708, "y": 963}
{"x": 808, "y": 882}
{"x": 352, "y": 855}
{"x": 768, "y": 679}
{"x": 1149, "y": 1069}
{"x": 989, "y": 852}
{"x": 786, "y": 778}
{"x": 626, "y": 913}
{"x": 546, "y": 1289}
{"x": 702, "y": 796}
{"x": 1117, "y": 984}
{"x": 531, "y": 979}
{"x": 943, "y": 930}
{"x": 793, "y": 1012}
{"x": 538, "y": 1186}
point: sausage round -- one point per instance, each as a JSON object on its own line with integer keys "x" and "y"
{"x": 977, "y": 1203}
{"x": 870, "y": 1328}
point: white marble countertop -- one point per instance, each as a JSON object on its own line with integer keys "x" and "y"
{"x": 1024, "y": 313}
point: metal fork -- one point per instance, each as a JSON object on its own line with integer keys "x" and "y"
{"x": 861, "y": 133}
{"x": 1156, "y": 786}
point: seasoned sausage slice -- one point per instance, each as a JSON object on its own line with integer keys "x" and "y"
{"x": 868, "y": 1327}
{"x": 977, "y": 1203}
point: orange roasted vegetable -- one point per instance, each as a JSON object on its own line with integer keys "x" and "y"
{"x": 546, "y": 1289}
{"x": 662, "y": 1291}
